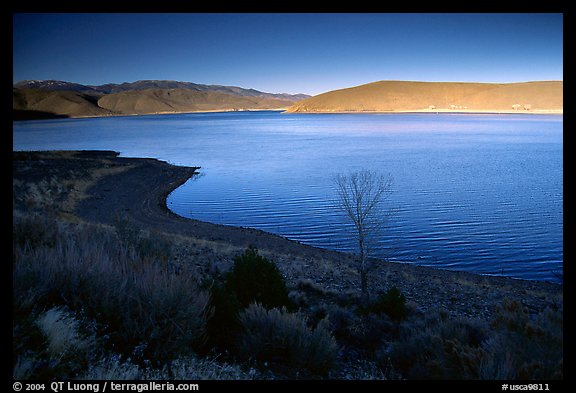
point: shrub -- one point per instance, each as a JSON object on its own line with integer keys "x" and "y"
{"x": 517, "y": 346}
{"x": 524, "y": 346}
{"x": 34, "y": 231}
{"x": 392, "y": 303}
{"x": 279, "y": 336}
{"x": 255, "y": 279}
{"x": 126, "y": 230}
{"x": 162, "y": 316}
{"x": 144, "y": 311}
{"x": 340, "y": 321}
{"x": 298, "y": 299}
{"x": 438, "y": 348}
{"x": 146, "y": 245}
{"x": 223, "y": 327}
{"x": 367, "y": 333}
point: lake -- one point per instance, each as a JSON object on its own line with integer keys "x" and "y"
{"x": 480, "y": 193}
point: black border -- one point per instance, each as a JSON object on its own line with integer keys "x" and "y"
{"x": 509, "y": 6}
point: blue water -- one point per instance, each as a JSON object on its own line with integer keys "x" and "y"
{"x": 479, "y": 193}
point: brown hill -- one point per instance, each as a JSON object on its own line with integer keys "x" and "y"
{"x": 48, "y": 99}
{"x": 397, "y": 96}
{"x": 183, "y": 100}
{"x": 32, "y": 103}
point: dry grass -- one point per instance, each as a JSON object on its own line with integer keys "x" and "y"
{"x": 78, "y": 187}
{"x": 59, "y": 191}
{"x": 368, "y": 371}
{"x": 146, "y": 310}
{"x": 62, "y": 331}
{"x": 282, "y": 337}
{"x": 517, "y": 345}
{"x": 189, "y": 368}
{"x": 54, "y": 342}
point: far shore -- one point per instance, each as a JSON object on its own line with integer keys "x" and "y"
{"x": 443, "y": 111}
{"x": 58, "y": 116}
{"x": 186, "y": 112}
{"x": 285, "y": 111}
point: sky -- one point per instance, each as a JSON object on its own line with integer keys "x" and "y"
{"x": 287, "y": 53}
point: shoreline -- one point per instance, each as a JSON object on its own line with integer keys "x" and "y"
{"x": 286, "y": 111}
{"x": 138, "y": 187}
{"x": 439, "y": 111}
{"x": 182, "y": 113}
{"x": 60, "y": 117}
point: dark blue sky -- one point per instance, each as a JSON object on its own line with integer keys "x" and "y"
{"x": 291, "y": 53}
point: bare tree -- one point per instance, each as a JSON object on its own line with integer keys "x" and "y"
{"x": 360, "y": 197}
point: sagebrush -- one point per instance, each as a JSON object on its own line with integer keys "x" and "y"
{"x": 279, "y": 336}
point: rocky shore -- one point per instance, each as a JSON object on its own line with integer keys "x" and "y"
{"x": 98, "y": 186}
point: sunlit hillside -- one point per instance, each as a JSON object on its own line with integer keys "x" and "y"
{"x": 391, "y": 96}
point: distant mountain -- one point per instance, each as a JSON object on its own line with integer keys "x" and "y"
{"x": 161, "y": 84}
{"x": 397, "y": 96}
{"x": 152, "y": 84}
{"x": 52, "y": 85}
{"x": 37, "y": 99}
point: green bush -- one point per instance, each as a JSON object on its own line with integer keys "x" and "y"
{"x": 278, "y": 336}
{"x": 223, "y": 327}
{"x": 391, "y": 303}
{"x": 255, "y": 279}
{"x": 368, "y": 332}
